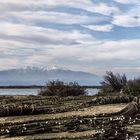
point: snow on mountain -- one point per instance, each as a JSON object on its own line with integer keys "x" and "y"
{"x": 39, "y": 76}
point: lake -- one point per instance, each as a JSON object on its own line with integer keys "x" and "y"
{"x": 33, "y": 91}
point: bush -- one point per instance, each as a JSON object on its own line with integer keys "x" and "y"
{"x": 132, "y": 87}
{"x": 59, "y": 88}
{"x": 113, "y": 83}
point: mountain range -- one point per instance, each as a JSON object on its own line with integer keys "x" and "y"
{"x": 39, "y": 76}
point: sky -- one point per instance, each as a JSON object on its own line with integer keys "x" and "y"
{"x": 86, "y": 35}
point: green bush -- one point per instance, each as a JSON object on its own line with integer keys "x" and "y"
{"x": 59, "y": 88}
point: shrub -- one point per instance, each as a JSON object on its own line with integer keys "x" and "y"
{"x": 59, "y": 88}
{"x": 132, "y": 87}
{"x": 113, "y": 82}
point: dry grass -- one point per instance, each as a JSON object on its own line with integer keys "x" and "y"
{"x": 86, "y": 112}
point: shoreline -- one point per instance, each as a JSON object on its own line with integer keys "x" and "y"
{"x": 40, "y": 86}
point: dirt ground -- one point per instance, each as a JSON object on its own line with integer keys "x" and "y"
{"x": 79, "y": 123}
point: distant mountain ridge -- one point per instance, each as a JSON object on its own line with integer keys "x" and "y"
{"x": 39, "y": 76}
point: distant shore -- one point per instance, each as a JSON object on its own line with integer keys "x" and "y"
{"x": 21, "y": 87}
{"x": 39, "y": 86}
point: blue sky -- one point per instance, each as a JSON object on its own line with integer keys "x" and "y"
{"x": 87, "y": 35}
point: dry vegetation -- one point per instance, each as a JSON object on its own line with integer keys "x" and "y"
{"x": 65, "y": 118}
{"x": 59, "y": 88}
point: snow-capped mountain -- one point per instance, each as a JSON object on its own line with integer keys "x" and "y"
{"x": 39, "y": 76}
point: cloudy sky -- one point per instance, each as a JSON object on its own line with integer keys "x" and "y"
{"x": 88, "y": 35}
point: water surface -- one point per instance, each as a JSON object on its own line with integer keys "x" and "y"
{"x": 34, "y": 91}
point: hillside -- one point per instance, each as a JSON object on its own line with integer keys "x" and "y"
{"x": 39, "y": 76}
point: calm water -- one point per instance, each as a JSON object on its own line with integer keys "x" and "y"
{"x": 34, "y": 91}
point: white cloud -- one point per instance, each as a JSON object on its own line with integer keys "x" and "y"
{"x": 91, "y": 51}
{"x": 101, "y": 8}
{"x": 102, "y": 28}
{"x": 29, "y": 32}
{"x": 135, "y": 11}
{"x": 83, "y": 47}
{"x": 126, "y": 69}
{"x": 126, "y": 21}
{"x": 105, "y": 9}
{"x": 24, "y": 39}
{"x": 131, "y": 17}
{"x": 128, "y": 1}
{"x": 7, "y": 63}
{"x": 110, "y": 50}
{"x": 55, "y": 17}
{"x": 87, "y": 5}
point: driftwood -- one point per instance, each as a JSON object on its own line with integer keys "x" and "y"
{"x": 131, "y": 109}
